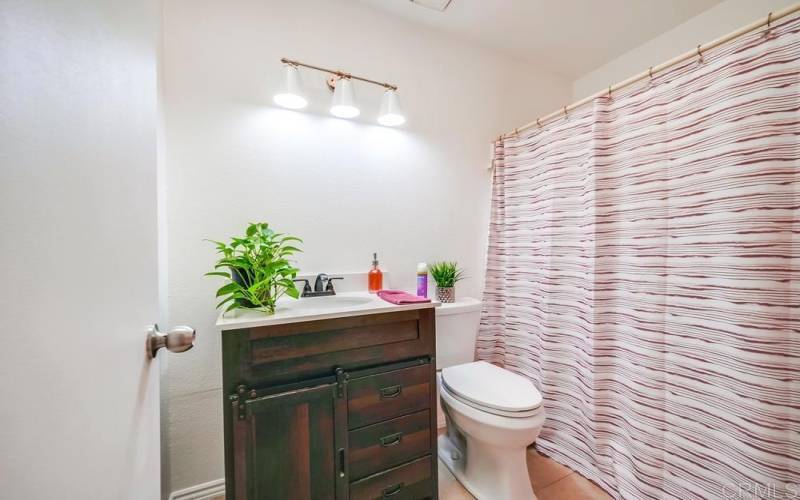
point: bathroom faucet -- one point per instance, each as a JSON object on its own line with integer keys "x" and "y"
{"x": 323, "y": 285}
{"x": 321, "y": 282}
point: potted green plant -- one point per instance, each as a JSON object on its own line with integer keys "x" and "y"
{"x": 446, "y": 275}
{"x": 258, "y": 269}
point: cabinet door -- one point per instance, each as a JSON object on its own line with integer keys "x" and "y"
{"x": 287, "y": 446}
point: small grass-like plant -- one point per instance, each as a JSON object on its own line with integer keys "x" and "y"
{"x": 446, "y": 274}
{"x": 259, "y": 270}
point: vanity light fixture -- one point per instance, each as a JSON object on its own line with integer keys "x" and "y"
{"x": 292, "y": 96}
{"x": 344, "y": 103}
{"x": 344, "y": 99}
{"x": 391, "y": 115}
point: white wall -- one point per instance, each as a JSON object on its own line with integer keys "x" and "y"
{"x": 348, "y": 188}
{"x": 720, "y": 20}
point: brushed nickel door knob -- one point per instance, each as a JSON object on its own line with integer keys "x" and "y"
{"x": 178, "y": 339}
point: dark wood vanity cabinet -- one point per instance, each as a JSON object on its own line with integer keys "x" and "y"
{"x": 332, "y": 409}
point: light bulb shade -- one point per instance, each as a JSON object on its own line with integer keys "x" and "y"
{"x": 344, "y": 100}
{"x": 292, "y": 96}
{"x": 391, "y": 114}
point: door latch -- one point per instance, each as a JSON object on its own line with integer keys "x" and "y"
{"x": 239, "y": 400}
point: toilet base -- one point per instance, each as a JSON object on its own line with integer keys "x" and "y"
{"x": 509, "y": 474}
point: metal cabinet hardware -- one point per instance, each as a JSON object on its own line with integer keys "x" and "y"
{"x": 391, "y": 392}
{"x": 391, "y": 439}
{"x": 393, "y": 490}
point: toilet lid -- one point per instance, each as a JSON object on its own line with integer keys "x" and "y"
{"x": 490, "y": 386}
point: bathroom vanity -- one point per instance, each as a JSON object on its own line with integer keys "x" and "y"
{"x": 330, "y": 397}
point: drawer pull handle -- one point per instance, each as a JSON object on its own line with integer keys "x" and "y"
{"x": 391, "y": 439}
{"x": 342, "y": 462}
{"x": 393, "y": 490}
{"x": 391, "y": 391}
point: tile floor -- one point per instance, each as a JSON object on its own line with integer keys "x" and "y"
{"x": 550, "y": 480}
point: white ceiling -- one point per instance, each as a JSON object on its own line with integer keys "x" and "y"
{"x": 566, "y": 37}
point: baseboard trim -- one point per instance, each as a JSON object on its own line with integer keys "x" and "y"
{"x": 205, "y": 491}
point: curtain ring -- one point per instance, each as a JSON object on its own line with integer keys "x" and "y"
{"x": 700, "y": 54}
{"x": 609, "y": 91}
{"x": 538, "y": 122}
{"x": 651, "y": 72}
{"x": 565, "y": 112}
{"x": 516, "y": 132}
{"x": 768, "y": 31}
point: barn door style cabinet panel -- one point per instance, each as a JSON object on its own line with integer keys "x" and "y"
{"x": 334, "y": 408}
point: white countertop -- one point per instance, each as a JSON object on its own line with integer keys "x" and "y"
{"x": 290, "y": 310}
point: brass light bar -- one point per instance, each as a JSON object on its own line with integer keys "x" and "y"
{"x": 338, "y": 73}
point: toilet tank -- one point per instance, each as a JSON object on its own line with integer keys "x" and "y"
{"x": 456, "y": 331}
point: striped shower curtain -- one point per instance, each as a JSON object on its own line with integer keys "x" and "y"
{"x": 642, "y": 271}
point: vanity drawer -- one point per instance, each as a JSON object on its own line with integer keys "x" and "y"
{"x": 380, "y": 446}
{"x": 374, "y": 398}
{"x": 293, "y": 352}
{"x": 411, "y": 481}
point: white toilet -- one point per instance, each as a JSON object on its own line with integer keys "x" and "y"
{"x": 492, "y": 414}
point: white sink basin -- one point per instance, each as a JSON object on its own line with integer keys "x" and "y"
{"x": 329, "y": 302}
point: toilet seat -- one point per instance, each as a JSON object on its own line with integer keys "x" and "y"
{"x": 492, "y": 389}
{"x": 489, "y": 410}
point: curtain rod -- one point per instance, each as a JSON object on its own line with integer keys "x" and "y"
{"x": 698, "y": 52}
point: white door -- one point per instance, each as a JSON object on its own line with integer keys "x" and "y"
{"x": 79, "y": 416}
